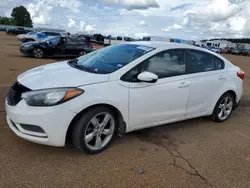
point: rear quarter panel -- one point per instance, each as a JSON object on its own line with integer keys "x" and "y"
{"x": 232, "y": 83}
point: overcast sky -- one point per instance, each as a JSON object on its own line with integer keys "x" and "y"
{"x": 187, "y": 19}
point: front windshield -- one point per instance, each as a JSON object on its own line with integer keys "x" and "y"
{"x": 112, "y": 58}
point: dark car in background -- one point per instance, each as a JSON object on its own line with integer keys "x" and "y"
{"x": 246, "y": 52}
{"x": 56, "y": 46}
{"x": 17, "y": 31}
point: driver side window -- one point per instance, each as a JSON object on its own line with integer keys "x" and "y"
{"x": 54, "y": 41}
{"x": 164, "y": 64}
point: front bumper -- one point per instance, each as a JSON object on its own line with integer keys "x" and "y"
{"x": 25, "y": 51}
{"x": 54, "y": 121}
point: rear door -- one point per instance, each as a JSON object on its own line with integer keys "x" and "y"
{"x": 207, "y": 76}
{"x": 72, "y": 46}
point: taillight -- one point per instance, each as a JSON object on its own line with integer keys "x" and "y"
{"x": 241, "y": 74}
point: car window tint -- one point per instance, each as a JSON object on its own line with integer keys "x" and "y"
{"x": 199, "y": 61}
{"x": 55, "y": 41}
{"x": 166, "y": 64}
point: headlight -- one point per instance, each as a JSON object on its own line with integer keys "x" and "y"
{"x": 50, "y": 97}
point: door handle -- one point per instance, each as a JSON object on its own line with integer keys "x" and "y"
{"x": 222, "y": 77}
{"x": 183, "y": 84}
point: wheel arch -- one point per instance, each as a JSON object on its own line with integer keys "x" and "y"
{"x": 120, "y": 130}
{"x": 228, "y": 91}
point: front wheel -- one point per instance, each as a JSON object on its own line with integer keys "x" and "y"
{"x": 223, "y": 108}
{"x": 94, "y": 130}
{"x": 38, "y": 53}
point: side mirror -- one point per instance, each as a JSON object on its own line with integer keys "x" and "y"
{"x": 147, "y": 77}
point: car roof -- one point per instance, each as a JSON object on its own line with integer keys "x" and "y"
{"x": 169, "y": 45}
{"x": 158, "y": 44}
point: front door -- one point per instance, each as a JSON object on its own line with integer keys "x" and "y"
{"x": 155, "y": 103}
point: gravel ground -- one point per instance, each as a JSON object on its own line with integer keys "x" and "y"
{"x": 194, "y": 153}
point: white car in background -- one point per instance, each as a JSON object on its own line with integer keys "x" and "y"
{"x": 215, "y": 49}
{"x": 39, "y": 36}
{"x": 21, "y": 36}
{"x": 119, "y": 89}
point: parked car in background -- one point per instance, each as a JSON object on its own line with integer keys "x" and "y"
{"x": 236, "y": 51}
{"x": 246, "y": 52}
{"x": 59, "y": 46}
{"x": 21, "y": 36}
{"x": 17, "y": 31}
{"x": 39, "y": 36}
{"x": 156, "y": 38}
{"x": 215, "y": 49}
{"x": 227, "y": 50}
{"x": 117, "y": 40}
{"x": 119, "y": 89}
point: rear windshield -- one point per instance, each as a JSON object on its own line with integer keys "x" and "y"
{"x": 112, "y": 58}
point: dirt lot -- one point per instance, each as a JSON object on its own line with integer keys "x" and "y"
{"x": 195, "y": 153}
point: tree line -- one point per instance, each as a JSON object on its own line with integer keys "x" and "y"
{"x": 233, "y": 40}
{"x": 20, "y": 16}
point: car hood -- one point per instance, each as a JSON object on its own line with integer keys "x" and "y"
{"x": 21, "y": 36}
{"x": 58, "y": 75}
{"x": 30, "y": 43}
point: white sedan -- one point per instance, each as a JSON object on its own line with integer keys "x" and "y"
{"x": 119, "y": 89}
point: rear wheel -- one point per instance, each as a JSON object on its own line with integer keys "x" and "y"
{"x": 94, "y": 130}
{"x": 223, "y": 108}
{"x": 38, "y": 53}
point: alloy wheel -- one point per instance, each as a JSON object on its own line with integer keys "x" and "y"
{"x": 38, "y": 53}
{"x": 99, "y": 131}
{"x": 225, "y": 108}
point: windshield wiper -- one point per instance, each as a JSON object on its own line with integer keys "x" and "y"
{"x": 74, "y": 63}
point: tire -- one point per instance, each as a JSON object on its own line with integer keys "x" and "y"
{"x": 223, "y": 108}
{"x": 37, "y": 53}
{"x": 88, "y": 130}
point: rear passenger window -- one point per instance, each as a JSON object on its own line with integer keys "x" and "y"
{"x": 198, "y": 61}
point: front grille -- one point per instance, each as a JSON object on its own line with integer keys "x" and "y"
{"x": 15, "y": 92}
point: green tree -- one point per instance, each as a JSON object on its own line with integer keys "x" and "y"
{"x": 6, "y": 21}
{"x": 21, "y": 17}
